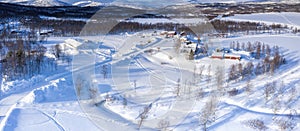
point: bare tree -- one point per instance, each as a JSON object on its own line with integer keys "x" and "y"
{"x": 209, "y": 74}
{"x": 79, "y": 83}
{"x": 237, "y": 46}
{"x": 256, "y": 124}
{"x": 57, "y": 51}
{"x": 232, "y": 72}
{"x": 206, "y": 48}
{"x": 281, "y": 88}
{"x": 200, "y": 72}
{"x": 249, "y": 86}
{"x": 275, "y": 105}
{"x": 286, "y": 124}
{"x": 293, "y": 92}
{"x": 93, "y": 92}
{"x": 249, "y": 47}
{"x": 240, "y": 70}
{"x": 177, "y": 46}
{"x": 243, "y": 46}
{"x": 258, "y": 69}
{"x": 258, "y": 50}
{"x": 200, "y": 93}
{"x": 124, "y": 102}
{"x": 194, "y": 75}
{"x": 134, "y": 85}
{"x": 178, "y": 86}
{"x": 263, "y": 48}
{"x": 208, "y": 115}
{"x": 268, "y": 50}
{"x": 163, "y": 125}
{"x": 104, "y": 71}
{"x": 191, "y": 55}
{"x": 269, "y": 90}
{"x": 231, "y": 46}
{"x": 143, "y": 116}
{"x": 220, "y": 75}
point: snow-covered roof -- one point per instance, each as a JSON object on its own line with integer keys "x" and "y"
{"x": 218, "y": 54}
{"x": 232, "y": 55}
{"x": 221, "y": 54}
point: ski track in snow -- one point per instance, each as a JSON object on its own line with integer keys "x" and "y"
{"x": 60, "y": 126}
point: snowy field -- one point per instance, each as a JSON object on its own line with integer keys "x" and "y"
{"x": 154, "y": 83}
{"x": 114, "y": 80}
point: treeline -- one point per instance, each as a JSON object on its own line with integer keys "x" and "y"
{"x": 270, "y": 59}
{"x": 228, "y": 9}
{"x": 235, "y": 26}
{"x": 73, "y": 27}
{"x": 16, "y": 10}
{"x": 214, "y": 26}
{"x": 135, "y": 27}
{"x": 59, "y": 27}
{"x": 22, "y": 55}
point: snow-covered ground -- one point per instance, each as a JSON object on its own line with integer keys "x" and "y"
{"x": 131, "y": 73}
{"x": 143, "y": 79}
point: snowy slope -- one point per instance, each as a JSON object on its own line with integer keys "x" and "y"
{"x": 53, "y": 105}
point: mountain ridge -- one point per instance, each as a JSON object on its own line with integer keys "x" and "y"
{"x": 129, "y": 3}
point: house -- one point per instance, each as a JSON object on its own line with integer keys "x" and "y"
{"x": 168, "y": 34}
{"x": 183, "y": 39}
{"x": 217, "y": 35}
{"x": 188, "y": 42}
{"x": 183, "y": 34}
{"x": 164, "y": 33}
{"x": 219, "y": 55}
{"x": 171, "y": 33}
{"x": 233, "y": 56}
{"x": 222, "y": 55}
{"x": 226, "y": 50}
{"x": 46, "y": 32}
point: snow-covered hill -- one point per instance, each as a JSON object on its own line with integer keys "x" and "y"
{"x": 37, "y": 2}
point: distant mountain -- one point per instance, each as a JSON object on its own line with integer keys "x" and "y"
{"x": 37, "y": 2}
{"x": 130, "y": 3}
{"x": 48, "y": 3}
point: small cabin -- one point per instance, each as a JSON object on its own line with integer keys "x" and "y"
{"x": 183, "y": 39}
{"x": 233, "y": 56}
{"x": 222, "y": 55}
{"x": 183, "y": 34}
{"x": 171, "y": 33}
{"x": 188, "y": 42}
{"x": 164, "y": 33}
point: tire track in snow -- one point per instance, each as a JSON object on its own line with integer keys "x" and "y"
{"x": 60, "y": 126}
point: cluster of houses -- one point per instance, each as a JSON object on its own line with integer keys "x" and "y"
{"x": 188, "y": 43}
{"x": 196, "y": 46}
